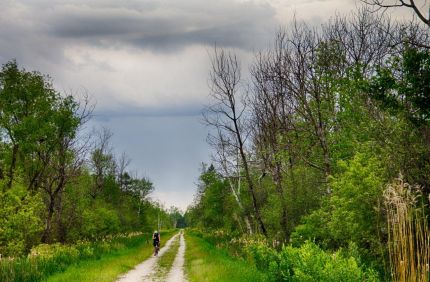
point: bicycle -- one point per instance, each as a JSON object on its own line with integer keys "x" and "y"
{"x": 156, "y": 248}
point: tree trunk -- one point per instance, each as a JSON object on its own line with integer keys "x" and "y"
{"x": 12, "y": 165}
{"x": 239, "y": 203}
{"x": 46, "y": 237}
{"x": 252, "y": 192}
{"x": 278, "y": 183}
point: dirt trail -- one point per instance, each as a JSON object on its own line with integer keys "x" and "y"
{"x": 176, "y": 273}
{"x": 147, "y": 270}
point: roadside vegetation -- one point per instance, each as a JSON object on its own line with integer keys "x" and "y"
{"x": 320, "y": 170}
{"x": 205, "y": 262}
{"x": 110, "y": 266}
{"x": 102, "y": 260}
{"x": 46, "y": 260}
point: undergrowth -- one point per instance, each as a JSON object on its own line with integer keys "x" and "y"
{"x": 45, "y": 260}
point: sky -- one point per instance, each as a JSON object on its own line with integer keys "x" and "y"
{"x": 145, "y": 64}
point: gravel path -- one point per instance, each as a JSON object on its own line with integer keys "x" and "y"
{"x": 176, "y": 273}
{"x": 146, "y": 269}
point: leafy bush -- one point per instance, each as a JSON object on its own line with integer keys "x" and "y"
{"x": 20, "y": 223}
{"x": 262, "y": 256}
{"x": 100, "y": 222}
{"x": 311, "y": 263}
{"x": 351, "y": 212}
{"x": 307, "y": 262}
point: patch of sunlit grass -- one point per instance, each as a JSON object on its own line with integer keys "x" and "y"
{"x": 204, "y": 262}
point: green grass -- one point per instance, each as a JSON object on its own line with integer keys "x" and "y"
{"x": 204, "y": 262}
{"x": 110, "y": 266}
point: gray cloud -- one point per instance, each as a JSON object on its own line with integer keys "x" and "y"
{"x": 155, "y": 25}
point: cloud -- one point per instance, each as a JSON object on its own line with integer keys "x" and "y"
{"x": 131, "y": 53}
{"x": 155, "y": 25}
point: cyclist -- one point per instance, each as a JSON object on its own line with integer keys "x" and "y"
{"x": 156, "y": 242}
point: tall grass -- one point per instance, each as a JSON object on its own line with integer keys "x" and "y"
{"x": 110, "y": 266}
{"x": 409, "y": 235}
{"x": 45, "y": 260}
{"x": 205, "y": 262}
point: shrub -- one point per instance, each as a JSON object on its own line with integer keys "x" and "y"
{"x": 100, "y": 222}
{"x": 20, "y": 223}
{"x": 351, "y": 213}
{"x": 311, "y": 263}
{"x": 307, "y": 262}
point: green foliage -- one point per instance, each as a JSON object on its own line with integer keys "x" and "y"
{"x": 47, "y": 193}
{"x": 99, "y": 222}
{"x": 307, "y": 262}
{"x": 214, "y": 207}
{"x": 351, "y": 213}
{"x": 311, "y": 263}
{"x": 20, "y": 221}
{"x": 404, "y": 85}
{"x": 354, "y": 200}
{"x": 45, "y": 260}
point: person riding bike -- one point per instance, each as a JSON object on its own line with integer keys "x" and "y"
{"x": 156, "y": 242}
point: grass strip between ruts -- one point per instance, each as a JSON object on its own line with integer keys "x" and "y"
{"x": 165, "y": 262}
{"x": 110, "y": 266}
{"x": 204, "y": 262}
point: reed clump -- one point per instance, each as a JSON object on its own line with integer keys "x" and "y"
{"x": 408, "y": 232}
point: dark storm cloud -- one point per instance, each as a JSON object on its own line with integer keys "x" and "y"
{"x": 155, "y": 25}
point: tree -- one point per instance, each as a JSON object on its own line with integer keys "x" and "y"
{"x": 66, "y": 157}
{"x": 102, "y": 161}
{"x": 420, "y": 10}
{"x": 227, "y": 116}
{"x": 26, "y": 105}
{"x": 273, "y": 118}
{"x": 122, "y": 164}
{"x": 41, "y": 129}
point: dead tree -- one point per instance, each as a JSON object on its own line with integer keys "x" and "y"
{"x": 102, "y": 161}
{"x": 227, "y": 115}
{"x": 122, "y": 163}
{"x": 419, "y": 8}
{"x": 272, "y": 118}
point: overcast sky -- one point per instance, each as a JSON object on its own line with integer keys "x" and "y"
{"x": 145, "y": 64}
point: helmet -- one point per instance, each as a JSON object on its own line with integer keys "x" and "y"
{"x": 156, "y": 232}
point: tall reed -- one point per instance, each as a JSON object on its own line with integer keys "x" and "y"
{"x": 408, "y": 232}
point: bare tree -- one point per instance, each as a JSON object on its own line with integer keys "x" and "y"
{"x": 122, "y": 163}
{"x": 272, "y": 116}
{"x": 227, "y": 115}
{"x": 102, "y": 160}
{"x": 419, "y": 8}
{"x": 364, "y": 39}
